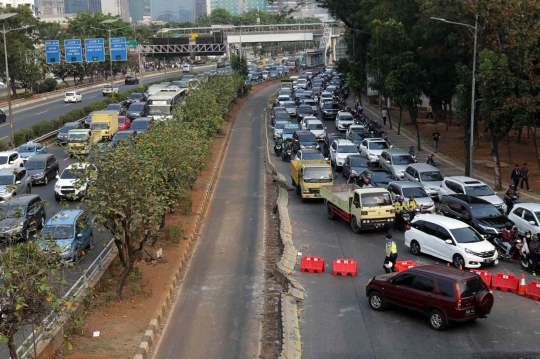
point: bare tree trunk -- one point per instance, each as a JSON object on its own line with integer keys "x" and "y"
{"x": 121, "y": 253}
{"x": 520, "y": 131}
{"x": 400, "y": 116}
{"x": 123, "y": 277}
{"x": 535, "y": 144}
{"x": 450, "y": 115}
{"x": 508, "y": 146}
{"x": 413, "y": 113}
{"x": 496, "y": 160}
{"x": 11, "y": 346}
{"x": 388, "y": 110}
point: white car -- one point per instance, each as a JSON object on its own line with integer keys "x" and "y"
{"x": 303, "y": 122}
{"x": 354, "y": 128}
{"x": 72, "y": 97}
{"x": 302, "y": 83}
{"x": 339, "y": 150}
{"x": 186, "y": 68}
{"x": 344, "y": 120}
{"x": 66, "y": 184}
{"x": 395, "y": 161}
{"x": 372, "y": 148}
{"x": 526, "y": 217}
{"x": 282, "y": 99}
{"x": 10, "y": 159}
{"x": 325, "y": 96}
{"x": 316, "y": 126}
{"x": 450, "y": 240}
{"x": 472, "y": 187}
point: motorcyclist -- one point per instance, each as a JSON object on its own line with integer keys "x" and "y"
{"x": 430, "y": 160}
{"x": 532, "y": 249}
{"x": 412, "y": 205}
{"x": 367, "y": 184}
{"x": 525, "y": 249}
{"x": 412, "y": 153}
{"x": 399, "y": 206}
{"x": 508, "y": 237}
{"x": 509, "y": 195}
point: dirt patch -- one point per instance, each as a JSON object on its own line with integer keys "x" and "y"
{"x": 122, "y": 323}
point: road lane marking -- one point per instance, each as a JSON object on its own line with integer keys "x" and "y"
{"x": 92, "y": 96}
{"x": 3, "y": 137}
{"x": 40, "y": 113}
{"x": 67, "y": 158}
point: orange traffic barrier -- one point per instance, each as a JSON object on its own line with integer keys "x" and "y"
{"x": 312, "y": 264}
{"x": 533, "y": 290}
{"x": 345, "y": 267}
{"x": 505, "y": 282}
{"x": 522, "y": 290}
{"x": 402, "y": 265}
{"x": 485, "y": 275}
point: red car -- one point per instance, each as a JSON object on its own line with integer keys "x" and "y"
{"x": 123, "y": 123}
{"x": 442, "y": 293}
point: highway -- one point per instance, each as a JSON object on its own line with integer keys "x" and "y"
{"x": 337, "y": 322}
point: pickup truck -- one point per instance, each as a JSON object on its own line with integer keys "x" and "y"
{"x": 363, "y": 208}
{"x": 309, "y": 176}
{"x": 287, "y": 83}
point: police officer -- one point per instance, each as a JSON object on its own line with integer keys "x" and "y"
{"x": 391, "y": 255}
{"x": 400, "y": 206}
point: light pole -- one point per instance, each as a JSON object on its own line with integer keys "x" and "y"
{"x": 469, "y": 170}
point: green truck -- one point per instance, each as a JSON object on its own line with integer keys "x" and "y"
{"x": 363, "y": 208}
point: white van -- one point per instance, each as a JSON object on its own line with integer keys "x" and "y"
{"x": 186, "y": 68}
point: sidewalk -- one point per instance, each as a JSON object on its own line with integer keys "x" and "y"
{"x": 447, "y": 166}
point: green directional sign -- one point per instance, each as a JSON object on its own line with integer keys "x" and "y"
{"x": 94, "y": 58}
{"x": 131, "y": 45}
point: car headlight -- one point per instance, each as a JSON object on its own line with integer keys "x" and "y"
{"x": 468, "y": 251}
{"x": 427, "y": 188}
{"x": 488, "y": 229}
{"x": 66, "y": 249}
{"x": 399, "y": 173}
{"x": 39, "y": 175}
{"x": 302, "y": 146}
{"x": 317, "y": 147}
{"x": 57, "y": 186}
{"x": 305, "y": 190}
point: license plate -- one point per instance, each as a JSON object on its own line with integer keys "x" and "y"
{"x": 470, "y": 312}
{"x": 490, "y": 260}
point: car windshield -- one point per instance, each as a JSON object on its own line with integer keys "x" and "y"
{"x": 359, "y": 162}
{"x": 384, "y": 177}
{"x": 78, "y": 136}
{"x": 183, "y": 84}
{"x": 375, "y": 199}
{"x": 290, "y": 129}
{"x": 332, "y": 106}
{"x": 402, "y": 160}
{"x": 317, "y": 174}
{"x": 288, "y": 105}
{"x": 62, "y": 231}
{"x": 359, "y": 135}
{"x": 136, "y": 107}
{"x": 307, "y": 137}
{"x": 135, "y": 96}
{"x": 315, "y": 126}
{"x": 315, "y": 155}
{"x": 6, "y": 180}
{"x": 378, "y": 145}
{"x": 139, "y": 125}
{"x": 481, "y": 190}
{"x": 67, "y": 173}
{"x": 282, "y": 115}
{"x": 471, "y": 287}
{"x": 283, "y": 98}
{"x": 121, "y": 119}
{"x": 485, "y": 211}
{"x": 347, "y": 149}
{"x": 66, "y": 128}
{"x": 281, "y": 125}
{"x": 466, "y": 235}
{"x": 345, "y": 118}
{"x": 305, "y": 109}
{"x": 417, "y": 192}
{"x": 34, "y": 165}
{"x": 27, "y": 148}
{"x": 431, "y": 176}
{"x": 12, "y": 211}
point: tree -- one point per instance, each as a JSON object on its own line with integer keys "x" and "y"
{"x": 239, "y": 64}
{"x": 221, "y": 16}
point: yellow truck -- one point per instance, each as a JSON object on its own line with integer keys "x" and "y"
{"x": 309, "y": 176}
{"x": 80, "y": 141}
{"x": 363, "y": 208}
{"x": 105, "y": 123}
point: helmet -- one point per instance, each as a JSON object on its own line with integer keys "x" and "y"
{"x": 388, "y": 265}
{"x": 511, "y": 185}
{"x": 429, "y": 156}
{"x": 400, "y": 198}
{"x": 508, "y": 225}
{"x": 411, "y": 196}
{"x": 366, "y": 180}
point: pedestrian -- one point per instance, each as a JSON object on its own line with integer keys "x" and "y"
{"x": 391, "y": 255}
{"x": 429, "y": 111}
{"x": 525, "y": 176}
{"x": 384, "y": 113}
{"x": 436, "y": 137}
{"x": 516, "y": 175}
{"x": 533, "y": 250}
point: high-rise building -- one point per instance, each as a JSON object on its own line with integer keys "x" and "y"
{"x": 138, "y": 9}
{"x": 74, "y": 6}
{"x": 237, "y": 7}
{"x": 16, "y": 3}
{"x": 50, "y": 7}
{"x": 199, "y": 8}
{"x": 116, "y": 8}
{"x": 172, "y": 10}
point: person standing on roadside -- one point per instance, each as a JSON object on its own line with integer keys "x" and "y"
{"x": 391, "y": 255}
{"x": 515, "y": 176}
{"x": 525, "y": 176}
{"x": 436, "y": 137}
{"x": 384, "y": 114}
{"x": 429, "y": 111}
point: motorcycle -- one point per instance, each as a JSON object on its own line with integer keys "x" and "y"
{"x": 278, "y": 149}
{"x": 515, "y": 249}
{"x": 526, "y": 263}
{"x": 511, "y": 202}
{"x": 405, "y": 218}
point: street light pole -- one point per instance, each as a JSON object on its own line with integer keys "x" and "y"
{"x": 469, "y": 169}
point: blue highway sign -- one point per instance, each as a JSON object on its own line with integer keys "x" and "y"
{"x": 118, "y": 49}
{"x": 94, "y": 50}
{"x": 52, "y": 51}
{"x": 73, "y": 50}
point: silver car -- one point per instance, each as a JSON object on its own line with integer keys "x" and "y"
{"x": 14, "y": 181}
{"x": 428, "y": 176}
{"x": 396, "y": 161}
{"x": 290, "y": 107}
{"x": 279, "y": 126}
{"x": 313, "y": 105}
{"x": 407, "y": 188}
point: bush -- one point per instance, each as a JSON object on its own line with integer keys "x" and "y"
{"x": 47, "y": 85}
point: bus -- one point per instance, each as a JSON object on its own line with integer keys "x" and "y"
{"x": 161, "y": 104}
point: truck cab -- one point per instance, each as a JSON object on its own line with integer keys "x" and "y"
{"x": 81, "y": 140}
{"x": 309, "y": 176}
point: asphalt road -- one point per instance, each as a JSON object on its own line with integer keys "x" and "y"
{"x": 336, "y": 320}
{"x": 217, "y": 310}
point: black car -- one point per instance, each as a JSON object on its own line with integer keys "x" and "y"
{"x": 131, "y": 80}
{"x": 42, "y": 168}
{"x": 118, "y": 107}
{"x": 304, "y": 139}
{"x": 120, "y": 135}
{"x": 358, "y": 136}
{"x": 475, "y": 211}
{"x": 221, "y": 65}
{"x": 378, "y": 177}
{"x": 62, "y": 136}
{"x": 355, "y": 164}
{"x": 88, "y": 120}
{"x": 303, "y": 111}
{"x": 329, "y": 139}
{"x": 329, "y": 110}
{"x": 135, "y": 97}
{"x": 141, "y": 124}
{"x": 20, "y": 216}
{"x": 199, "y": 62}
{"x": 2, "y": 116}
{"x": 136, "y": 110}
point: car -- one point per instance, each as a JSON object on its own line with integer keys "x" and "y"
{"x": 325, "y": 96}
{"x": 199, "y": 62}
{"x": 471, "y": 187}
{"x": 290, "y": 107}
{"x": 253, "y": 76}
{"x": 355, "y": 128}
{"x": 289, "y": 130}
{"x": 20, "y": 216}
{"x": 118, "y": 107}
{"x": 355, "y": 165}
{"x": 69, "y": 183}
{"x": 72, "y": 96}
{"x": 312, "y": 103}
{"x": 67, "y": 234}
{"x": 343, "y": 120}
{"x": 42, "y": 168}
{"x": 450, "y": 240}
{"x": 339, "y": 150}
{"x": 186, "y": 68}
{"x": 141, "y": 124}
{"x": 329, "y": 110}
{"x": 316, "y": 127}
{"x": 309, "y": 154}
{"x": 123, "y": 123}
{"x": 220, "y": 65}
{"x": 303, "y": 121}
{"x": 62, "y": 136}
{"x": 395, "y": 161}
{"x": 3, "y": 116}
{"x": 444, "y": 294}
{"x": 328, "y": 140}
{"x": 88, "y": 120}
{"x": 278, "y": 128}
{"x": 30, "y": 149}
{"x": 188, "y": 78}
{"x": 302, "y": 83}
{"x": 274, "y": 74}
{"x": 266, "y": 75}
{"x": 135, "y": 97}
{"x": 304, "y": 139}
{"x": 13, "y": 182}
{"x": 407, "y": 189}
{"x": 10, "y": 159}
{"x": 372, "y": 148}
{"x": 120, "y": 135}
{"x": 357, "y": 136}
{"x": 282, "y": 98}
{"x": 378, "y": 177}
{"x": 109, "y": 90}
{"x": 526, "y": 217}
{"x": 131, "y": 80}
{"x": 316, "y": 90}
{"x": 428, "y": 176}
{"x": 475, "y": 211}
{"x": 136, "y": 110}
{"x": 281, "y": 116}
{"x": 303, "y": 111}
{"x": 277, "y": 109}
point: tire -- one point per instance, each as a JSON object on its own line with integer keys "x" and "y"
{"x": 42, "y": 222}
{"x": 377, "y": 301}
{"x": 56, "y": 197}
{"x": 46, "y": 182}
{"x": 354, "y": 225}
{"x": 330, "y": 212}
{"x": 437, "y": 320}
{"x": 415, "y": 248}
{"x": 298, "y": 190}
{"x": 458, "y": 260}
{"x": 28, "y": 189}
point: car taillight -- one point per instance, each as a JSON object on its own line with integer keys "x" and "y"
{"x": 458, "y": 297}
{"x": 408, "y": 228}
{"x": 363, "y": 213}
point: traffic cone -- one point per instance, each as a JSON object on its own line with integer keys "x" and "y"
{"x": 522, "y": 286}
{"x": 448, "y": 264}
{"x": 460, "y": 267}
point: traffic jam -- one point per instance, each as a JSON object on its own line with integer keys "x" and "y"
{"x": 341, "y": 161}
